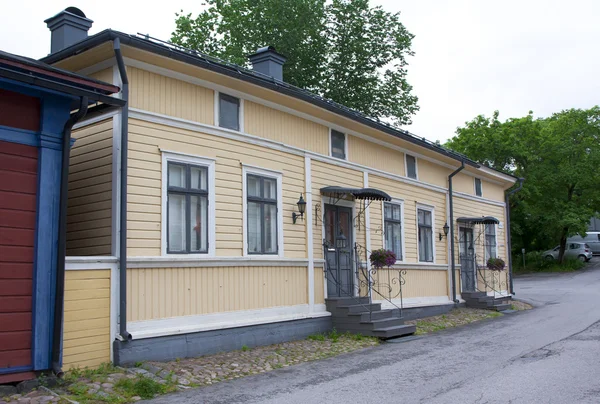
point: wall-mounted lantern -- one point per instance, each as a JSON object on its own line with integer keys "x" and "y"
{"x": 301, "y": 209}
{"x": 446, "y": 229}
{"x": 341, "y": 241}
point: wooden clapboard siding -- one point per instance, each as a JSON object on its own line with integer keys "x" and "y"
{"x": 18, "y": 190}
{"x": 167, "y": 96}
{"x": 144, "y": 204}
{"x": 372, "y": 155}
{"x": 323, "y": 175}
{"x": 19, "y": 110}
{"x": 86, "y": 335}
{"x": 172, "y": 292}
{"x": 411, "y": 196}
{"x": 469, "y": 208}
{"x": 269, "y": 123}
{"x": 319, "y": 282}
{"x": 90, "y": 190}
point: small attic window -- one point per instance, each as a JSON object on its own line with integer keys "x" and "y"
{"x": 338, "y": 144}
{"x": 478, "y": 187}
{"x": 229, "y": 112}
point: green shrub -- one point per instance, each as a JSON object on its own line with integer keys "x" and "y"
{"x": 535, "y": 261}
{"x": 143, "y": 387}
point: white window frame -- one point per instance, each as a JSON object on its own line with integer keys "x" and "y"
{"x": 406, "y": 166}
{"x": 217, "y": 112}
{"x": 345, "y": 145}
{"x": 176, "y": 157}
{"x": 420, "y": 206}
{"x": 402, "y": 226}
{"x": 277, "y": 175}
{"x": 475, "y": 187}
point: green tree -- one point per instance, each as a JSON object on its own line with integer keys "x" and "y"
{"x": 559, "y": 156}
{"x": 343, "y": 50}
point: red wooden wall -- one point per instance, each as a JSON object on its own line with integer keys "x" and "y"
{"x": 18, "y": 187}
{"x": 19, "y": 111}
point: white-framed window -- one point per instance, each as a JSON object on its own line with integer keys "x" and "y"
{"x": 490, "y": 241}
{"x": 478, "y": 189}
{"x": 263, "y": 212}
{"x": 338, "y": 145}
{"x": 188, "y": 207}
{"x": 425, "y": 221}
{"x": 393, "y": 225}
{"x": 410, "y": 163}
{"x": 229, "y": 111}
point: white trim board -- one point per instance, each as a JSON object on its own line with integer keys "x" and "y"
{"x": 216, "y": 87}
{"x": 222, "y": 320}
{"x": 309, "y": 233}
{"x": 212, "y": 262}
{"x": 278, "y": 176}
{"x": 211, "y": 214}
{"x": 477, "y": 198}
{"x": 415, "y": 302}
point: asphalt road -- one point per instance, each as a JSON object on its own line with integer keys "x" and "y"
{"x": 547, "y": 355}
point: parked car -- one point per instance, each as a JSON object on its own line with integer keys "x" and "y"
{"x": 580, "y": 251}
{"x": 592, "y": 238}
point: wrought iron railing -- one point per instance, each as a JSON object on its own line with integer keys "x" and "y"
{"x": 479, "y": 277}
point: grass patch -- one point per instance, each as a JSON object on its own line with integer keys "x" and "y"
{"x": 454, "y": 318}
{"x": 141, "y": 386}
{"x": 93, "y": 374}
{"x": 317, "y": 337}
{"x": 535, "y": 262}
{"x": 245, "y": 348}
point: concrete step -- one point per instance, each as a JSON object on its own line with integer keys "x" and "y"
{"x": 384, "y": 323}
{"x": 394, "y": 331}
{"x": 355, "y": 308}
{"x": 501, "y": 307}
{"x": 471, "y": 295}
{"x": 345, "y": 301}
{"x": 375, "y": 315}
{"x": 480, "y": 305}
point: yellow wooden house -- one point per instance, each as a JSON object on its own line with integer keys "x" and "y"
{"x": 223, "y": 207}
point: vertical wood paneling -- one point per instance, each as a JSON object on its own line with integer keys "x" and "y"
{"x": 319, "y": 288}
{"x": 173, "y": 292}
{"x": 155, "y": 93}
{"x": 279, "y": 126}
{"x": 375, "y": 156}
{"x": 86, "y": 332}
{"x": 419, "y": 283}
{"x": 90, "y": 191}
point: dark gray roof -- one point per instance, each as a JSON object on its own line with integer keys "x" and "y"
{"x": 478, "y": 220}
{"x": 147, "y": 43}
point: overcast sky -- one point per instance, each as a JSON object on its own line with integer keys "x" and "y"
{"x": 472, "y": 56}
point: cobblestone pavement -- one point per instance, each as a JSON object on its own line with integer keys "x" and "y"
{"x": 211, "y": 369}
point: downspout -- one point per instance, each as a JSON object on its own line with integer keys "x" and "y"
{"x": 508, "y": 239}
{"x": 123, "y": 334}
{"x": 62, "y": 238}
{"x": 453, "y": 265}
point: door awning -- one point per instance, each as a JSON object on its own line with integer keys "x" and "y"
{"x": 478, "y": 220}
{"x": 369, "y": 194}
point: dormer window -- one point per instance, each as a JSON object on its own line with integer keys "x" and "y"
{"x": 338, "y": 144}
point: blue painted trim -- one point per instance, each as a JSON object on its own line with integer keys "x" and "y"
{"x": 31, "y": 90}
{"x": 55, "y": 112}
{"x": 16, "y": 369}
{"x": 21, "y": 136}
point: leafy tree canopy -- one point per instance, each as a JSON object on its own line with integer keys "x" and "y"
{"x": 559, "y": 158}
{"x": 343, "y": 50}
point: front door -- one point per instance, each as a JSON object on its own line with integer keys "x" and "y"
{"x": 338, "y": 251}
{"x": 467, "y": 259}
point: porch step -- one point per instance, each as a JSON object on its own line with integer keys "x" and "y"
{"x": 502, "y": 307}
{"x": 472, "y": 295}
{"x": 480, "y": 300}
{"x": 356, "y": 308}
{"x": 374, "y": 315}
{"x": 345, "y": 301}
{"x": 351, "y": 324}
{"x": 395, "y": 331}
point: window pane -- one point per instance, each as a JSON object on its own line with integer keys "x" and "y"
{"x": 396, "y": 212}
{"x": 424, "y": 217}
{"x": 387, "y": 208}
{"x": 338, "y": 141}
{"x": 393, "y": 240}
{"x": 176, "y": 218}
{"x": 270, "y": 222}
{"x": 254, "y": 228}
{"x": 477, "y": 187}
{"x": 199, "y": 223}
{"x": 425, "y": 245}
{"x": 254, "y": 186}
{"x": 199, "y": 178}
{"x": 427, "y": 218}
{"x": 177, "y": 176}
{"x": 269, "y": 188}
{"x": 411, "y": 167}
{"x": 330, "y": 228}
{"x": 229, "y": 112}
